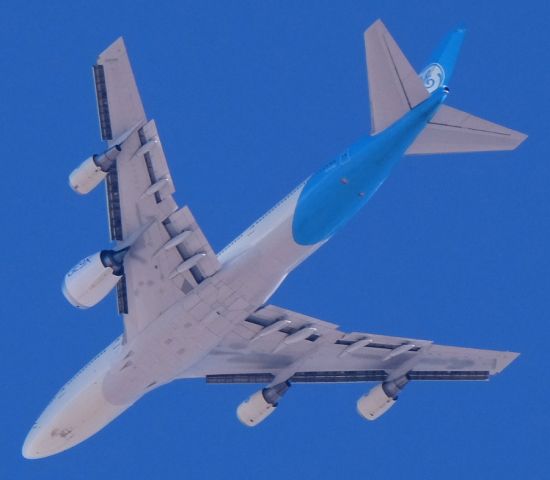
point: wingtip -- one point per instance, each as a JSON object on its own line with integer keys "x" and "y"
{"x": 376, "y": 25}
{"x": 115, "y": 49}
{"x": 504, "y": 360}
{"x": 521, "y": 138}
{"x": 516, "y": 139}
{"x": 118, "y": 41}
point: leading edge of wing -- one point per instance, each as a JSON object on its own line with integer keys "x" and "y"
{"x": 118, "y": 100}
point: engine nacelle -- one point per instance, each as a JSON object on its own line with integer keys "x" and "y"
{"x": 260, "y": 405}
{"x": 92, "y": 171}
{"x": 91, "y": 279}
{"x": 380, "y": 399}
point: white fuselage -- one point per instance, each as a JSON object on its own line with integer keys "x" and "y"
{"x": 253, "y": 267}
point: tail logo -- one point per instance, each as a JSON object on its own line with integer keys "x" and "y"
{"x": 433, "y": 76}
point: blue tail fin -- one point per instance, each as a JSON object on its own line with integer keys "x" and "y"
{"x": 439, "y": 71}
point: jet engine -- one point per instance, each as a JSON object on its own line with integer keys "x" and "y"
{"x": 94, "y": 169}
{"x": 260, "y": 405}
{"x": 91, "y": 279}
{"x": 380, "y": 399}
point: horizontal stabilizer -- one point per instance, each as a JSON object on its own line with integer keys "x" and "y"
{"x": 440, "y": 70}
{"x": 394, "y": 86}
{"x": 454, "y": 131}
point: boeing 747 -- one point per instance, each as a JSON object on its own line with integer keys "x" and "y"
{"x": 191, "y": 313}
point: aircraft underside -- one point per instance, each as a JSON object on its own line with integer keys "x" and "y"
{"x": 191, "y": 313}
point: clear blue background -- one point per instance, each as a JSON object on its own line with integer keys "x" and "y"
{"x": 250, "y": 98}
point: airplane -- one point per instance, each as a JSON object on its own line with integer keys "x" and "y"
{"x": 191, "y": 313}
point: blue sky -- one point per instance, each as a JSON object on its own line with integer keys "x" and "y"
{"x": 250, "y": 98}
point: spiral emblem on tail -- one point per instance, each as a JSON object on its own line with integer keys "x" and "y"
{"x": 433, "y": 76}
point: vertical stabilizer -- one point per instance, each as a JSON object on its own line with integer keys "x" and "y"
{"x": 394, "y": 86}
{"x": 440, "y": 69}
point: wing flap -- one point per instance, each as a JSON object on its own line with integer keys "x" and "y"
{"x": 454, "y": 131}
{"x": 183, "y": 220}
{"x": 140, "y": 165}
{"x": 351, "y": 376}
{"x": 394, "y": 86}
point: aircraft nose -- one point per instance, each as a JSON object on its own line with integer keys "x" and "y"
{"x": 29, "y": 450}
{"x": 51, "y": 433}
{"x": 71, "y": 418}
{"x": 43, "y": 440}
{"x": 34, "y": 445}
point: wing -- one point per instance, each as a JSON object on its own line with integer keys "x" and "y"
{"x": 275, "y": 344}
{"x": 454, "y": 131}
{"x": 394, "y": 86}
{"x": 169, "y": 254}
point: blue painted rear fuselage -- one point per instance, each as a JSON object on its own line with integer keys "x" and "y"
{"x": 332, "y": 196}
